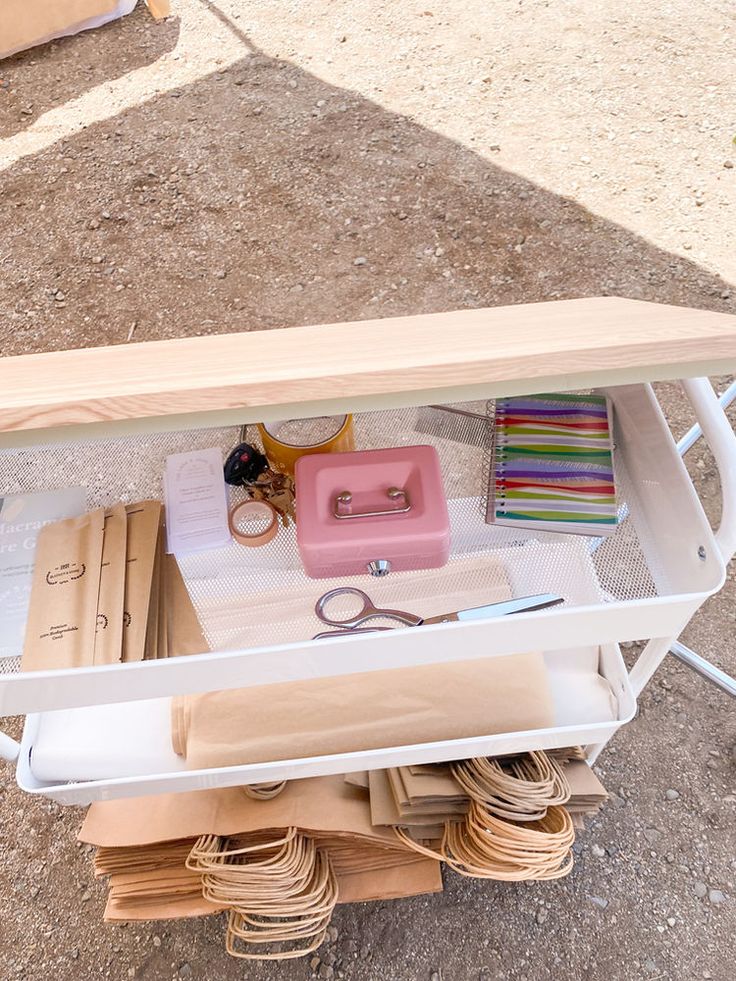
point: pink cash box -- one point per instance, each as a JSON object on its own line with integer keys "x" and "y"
{"x": 374, "y": 511}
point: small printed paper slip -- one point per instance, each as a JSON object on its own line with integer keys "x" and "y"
{"x": 553, "y": 465}
{"x": 22, "y": 516}
{"x": 196, "y": 502}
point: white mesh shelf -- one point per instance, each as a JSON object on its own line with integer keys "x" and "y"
{"x": 256, "y": 605}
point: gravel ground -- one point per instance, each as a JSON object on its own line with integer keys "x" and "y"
{"x": 224, "y": 170}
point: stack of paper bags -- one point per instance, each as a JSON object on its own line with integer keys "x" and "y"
{"x": 421, "y": 798}
{"x": 370, "y": 862}
{"x": 513, "y": 825}
{"x": 143, "y": 843}
{"x": 418, "y": 798}
{"x": 151, "y": 882}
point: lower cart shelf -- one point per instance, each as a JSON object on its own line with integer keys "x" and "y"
{"x": 80, "y": 755}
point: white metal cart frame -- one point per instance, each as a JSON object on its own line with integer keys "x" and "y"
{"x": 694, "y": 661}
{"x": 611, "y": 344}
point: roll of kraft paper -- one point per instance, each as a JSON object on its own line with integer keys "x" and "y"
{"x": 370, "y": 710}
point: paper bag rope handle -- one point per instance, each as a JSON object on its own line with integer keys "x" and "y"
{"x": 486, "y": 847}
{"x": 280, "y": 891}
{"x": 534, "y": 783}
{"x": 264, "y": 791}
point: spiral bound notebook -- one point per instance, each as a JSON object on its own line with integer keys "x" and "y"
{"x": 552, "y": 465}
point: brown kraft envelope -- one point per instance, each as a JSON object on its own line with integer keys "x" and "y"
{"x": 151, "y": 650}
{"x": 143, "y": 525}
{"x": 109, "y": 630}
{"x": 60, "y": 631}
{"x": 162, "y": 641}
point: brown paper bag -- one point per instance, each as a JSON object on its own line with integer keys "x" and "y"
{"x": 153, "y": 882}
{"x": 60, "y": 631}
{"x": 413, "y": 878}
{"x": 385, "y": 813}
{"x": 164, "y": 908}
{"x": 139, "y": 839}
{"x": 430, "y": 783}
{"x": 29, "y": 22}
{"x": 142, "y": 858}
{"x": 358, "y": 779}
{"x": 353, "y": 853}
{"x": 587, "y": 792}
{"x": 452, "y": 804}
{"x": 370, "y": 710}
{"x": 417, "y": 769}
{"x": 410, "y": 879}
{"x": 143, "y": 527}
{"x": 111, "y": 599}
{"x": 325, "y": 805}
{"x": 430, "y": 836}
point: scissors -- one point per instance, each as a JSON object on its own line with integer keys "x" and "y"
{"x": 353, "y": 622}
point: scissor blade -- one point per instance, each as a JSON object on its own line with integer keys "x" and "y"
{"x": 349, "y": 632}
{"x": 524, "y": 604}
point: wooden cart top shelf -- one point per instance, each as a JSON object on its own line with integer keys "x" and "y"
{"x": 465, "y": 354}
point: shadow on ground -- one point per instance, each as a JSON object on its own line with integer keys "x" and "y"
{"x": 77, "y": 65}
{"x": 243, "y": 201}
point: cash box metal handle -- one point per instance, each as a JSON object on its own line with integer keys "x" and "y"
{"x": 343, "y": 502}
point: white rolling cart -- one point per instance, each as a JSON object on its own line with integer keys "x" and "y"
{"x": 106, "y": 418}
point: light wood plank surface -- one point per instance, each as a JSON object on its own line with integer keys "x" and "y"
{"x": 598, "y": 338}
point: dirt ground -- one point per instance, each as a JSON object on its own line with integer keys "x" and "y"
{"x": 223, "y": 170}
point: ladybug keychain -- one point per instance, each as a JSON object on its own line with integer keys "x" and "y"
{"x": 247, "y": 467}
{"x": 244, "y": 465}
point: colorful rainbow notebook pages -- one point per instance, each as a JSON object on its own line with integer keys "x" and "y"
{"x": 552, "y": 465}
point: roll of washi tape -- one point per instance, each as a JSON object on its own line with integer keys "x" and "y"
{"x": 255, "y": 511}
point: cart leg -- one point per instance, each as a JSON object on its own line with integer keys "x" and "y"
{"x": 647, "y": 663}
{"x": 693, "y": 435}
{"x": 704, "y": 668}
